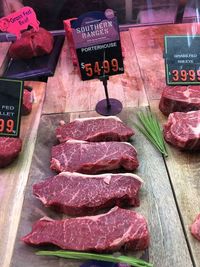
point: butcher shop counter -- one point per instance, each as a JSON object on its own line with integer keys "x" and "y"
{"x": 169, "y": 197}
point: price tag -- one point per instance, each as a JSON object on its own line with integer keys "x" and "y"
{"x": 97, "y": 42}
{"x": 182, "y": 60}
{"x": 11, "y": 95}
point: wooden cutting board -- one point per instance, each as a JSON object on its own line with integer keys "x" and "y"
{"x": 168, "y": 245}
{"x": 14, "y": 177}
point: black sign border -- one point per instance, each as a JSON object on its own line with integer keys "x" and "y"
{"x": 166, "y": 64}
{"x": 21, "y": 88}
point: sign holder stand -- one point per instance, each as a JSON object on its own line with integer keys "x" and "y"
{"x": 108, "y": 106}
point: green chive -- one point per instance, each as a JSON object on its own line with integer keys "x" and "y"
{"x": 94, "y": 256}
{"x": 150, "y": 128}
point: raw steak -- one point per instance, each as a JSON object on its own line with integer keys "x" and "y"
{"x": 70, "y": 40}
{"x": 79, "y": 194}
{"x": 91, "y": 158}
{"x": 27, "y": 102}
{"x": 180, "y": 98}
{"x": 94, "y": 130}
{"x": 195, "y": 228}
{"x": 32, "y": 44}
{"x": 106, "y": 232}
{"x": 183, "y": 130}
{"x": 9, "y": 150}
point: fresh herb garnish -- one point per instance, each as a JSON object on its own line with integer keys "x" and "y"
{"x": 93, "y": 256}
{"x": 151, "y": 129}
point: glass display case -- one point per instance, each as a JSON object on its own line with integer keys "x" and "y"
{"x": 151, "y": 65}
{"x": 132, "y": 12}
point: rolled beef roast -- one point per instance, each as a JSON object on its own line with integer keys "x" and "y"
{"x": 32, "y": 44}
{"x": 93, "y": 157}
{"x": 81, "y": 194}
{"x": 195, "y": 227}
{"x": 94, "y": 130}
{"x": 183, "y": 130}
{"x": 110, "y": 231}
{"x": 180, "y": 99}
{"x": 9, "y": 150}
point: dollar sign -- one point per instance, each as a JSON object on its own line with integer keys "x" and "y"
{"x": 82, "y": 65}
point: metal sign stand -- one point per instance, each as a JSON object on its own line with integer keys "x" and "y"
{"x": 108, "y": 106}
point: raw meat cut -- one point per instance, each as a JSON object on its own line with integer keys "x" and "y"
{"x": 32, "y": 44}
{"x": 183, "y": 130}
{"x": 119, "y": 228}
{"x": 70, "y": 40}
{"x": 94, "y": 130}
{"x": 180, "y": 98}
{"x": 9, "y": 150}
{"x": 27, "y": 102}
{"x": 195, "y": 227}
{"x": 91, "y": 158}
{"x": 80, "y": 194}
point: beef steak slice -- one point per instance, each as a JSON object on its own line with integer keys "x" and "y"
{"x": 180, "y": 98}
{"x": 91, "y": 158}
{"x": 80, "y": 194}
{"x": 106, "y": 232}
{"x": 9, "y": 150}
{"x": 94, "y": 130}
{"x": 183, "y": 130}
{"x": 195, "y": 227}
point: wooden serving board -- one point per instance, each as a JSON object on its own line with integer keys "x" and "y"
{"x": 168, "y": 245}
{"x": 14, "y": 177}
{"x": 66, "y": 92}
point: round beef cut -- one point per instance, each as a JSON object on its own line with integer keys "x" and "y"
{"x": 195, "y": 227}
{"x": 27, "y": 102}
{"x": 32, "y": 44}
{"x": 118, "y": 228}
{"x": 9, "y": 150}
{"x": 94, "y": 130}
{"x": 183, "y": 130}
{"x": 180, "y": 99}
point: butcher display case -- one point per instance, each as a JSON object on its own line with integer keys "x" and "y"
{"x": 62, "y": 130}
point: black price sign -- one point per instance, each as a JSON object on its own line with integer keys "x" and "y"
{"x": 182, "y": 60}
{"x": 11, "y": 95}
{"x": 97, "y": 41}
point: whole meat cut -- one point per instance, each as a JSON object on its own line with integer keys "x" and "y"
{"x": 9, "y": 150}
{"x": 32, "y": 44}
{"x": 94, "y": 130}
{"x": 93, "y": 157}
{"x": 80, "y": 194}
{"x": 27, "y": 102}
{"x": 183, "y": 130}
{"x": 195, "y": 227}
{"x": 180, "y": 99}
{"x": 118, "y": 228}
